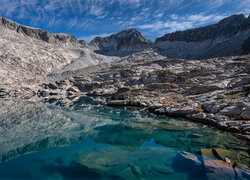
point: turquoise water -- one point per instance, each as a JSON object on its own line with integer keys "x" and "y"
{"x": 83, "y": 139}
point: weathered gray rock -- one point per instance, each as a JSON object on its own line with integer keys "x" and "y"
{"x": 217, "y": 108}
{"x": 232, "y": 111}
{"x": 199, "y": 116}
{"x": 182, "y": 112}
{"x": 218, "y": 170}
{"x": 245, "y": 115}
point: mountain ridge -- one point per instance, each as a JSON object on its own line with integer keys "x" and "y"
{"x": 228, "y": 37}
{"x": 233, "y": 24}
{"x": 57, "y": 38}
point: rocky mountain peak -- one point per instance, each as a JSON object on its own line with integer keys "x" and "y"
{"x": 121, "y": 44}
{"x": 129, "y": 32}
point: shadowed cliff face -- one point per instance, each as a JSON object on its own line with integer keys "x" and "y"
{"x": 225, "y": 28}
{"x": 246, "y": 46}
{"x": 222, "y": 39}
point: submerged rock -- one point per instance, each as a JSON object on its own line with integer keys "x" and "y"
{"x": 162, "y": 170}
{"x": 126, "y": 174}
{"x": 188, "y": 160}
{"x": 105, "y": 161}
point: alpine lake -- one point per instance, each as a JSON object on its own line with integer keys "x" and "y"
{"x": 82, "y": 138}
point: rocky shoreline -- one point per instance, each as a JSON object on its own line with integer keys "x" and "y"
{"x": 240, "y": 128}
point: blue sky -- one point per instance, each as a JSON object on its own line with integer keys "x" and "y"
{"x": 86, "y": 19}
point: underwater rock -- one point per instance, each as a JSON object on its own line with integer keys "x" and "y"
{"x": 55, "y": 176}
{"x": 126, "y": 174}
{"x": 194, "y": 135}
{"x": 162, "y": 170}
{"x": 188, "y": 160}
{"x": 136, "y": 170}
{"x": 223, "y": 153}
{"x": 207, "y": 153}
{"x": 105, "y": 161}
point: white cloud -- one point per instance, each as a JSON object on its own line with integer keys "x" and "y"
{"x": 169, "y": 26}
{"x": 91, "y": 37}
{"x": 217, "y": 3}
{"x": 150, "y": 15}
{"x": 179, "y": 23}
{"x": 97, "y": 11}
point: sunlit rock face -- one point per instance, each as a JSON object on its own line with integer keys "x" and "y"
{"x": 28, "y": 54}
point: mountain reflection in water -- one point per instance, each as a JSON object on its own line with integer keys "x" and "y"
{"x": 83, "y": 139}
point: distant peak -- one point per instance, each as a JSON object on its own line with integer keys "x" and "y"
{"x": 132, "y": 30}
{"x": 129, "y": 32}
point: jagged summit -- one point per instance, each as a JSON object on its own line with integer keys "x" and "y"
{"x": 40, "y": 34}
{"x": 121, "y": 44}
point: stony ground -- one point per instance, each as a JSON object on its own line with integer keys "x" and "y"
{"x": 212, "y": 91}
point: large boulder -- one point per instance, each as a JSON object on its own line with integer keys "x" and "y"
{"x": 217, "y": 169}
{"x": 180, "y": 111}
{"x": 232, "y": 111}
{"x": 245, "y": 115}
{"x": 202, "y": 89}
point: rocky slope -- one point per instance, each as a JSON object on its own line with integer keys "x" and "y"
{"x": 121, "y": 44}
{"x": 28, "y": 54}
{"x": 213, "y": 91}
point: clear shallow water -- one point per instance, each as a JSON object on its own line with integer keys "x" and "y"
{"x": 86, "y": 140}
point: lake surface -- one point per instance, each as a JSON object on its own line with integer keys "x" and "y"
{"x": 83, "y": 139}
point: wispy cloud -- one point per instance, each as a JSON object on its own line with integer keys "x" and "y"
{"x": 99, "y": 16}
{"x": 91, "y": 37}
{"x": 178, "y": 23}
